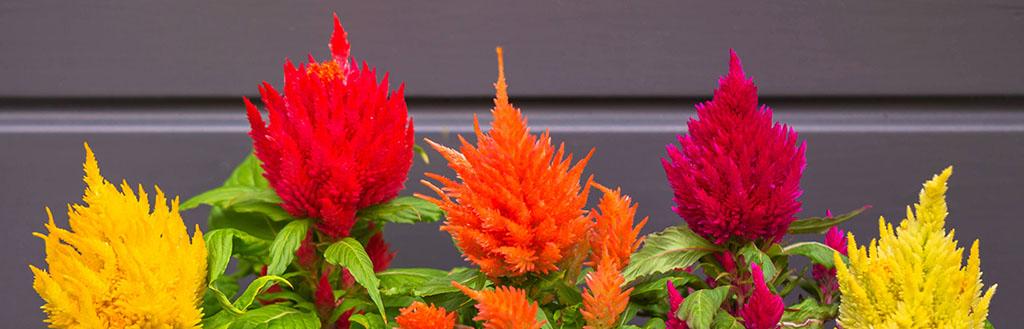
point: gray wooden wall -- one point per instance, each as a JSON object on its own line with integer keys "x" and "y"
{"x": 885, "y": 92}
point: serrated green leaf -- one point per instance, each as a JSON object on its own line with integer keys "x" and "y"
{"x": 821, "y": 224}
{"x": 349, "y": 253}
{"x": 724, "y": 320}
{"x": 817, "y": 252}
{"x": 404, "y": 210}
{"x": 255, "y": 288}
{"x": 701, "y": 306}
{"x": 751, "y": 253}
{"x": 675, "y": 247}
{"x": 276, "y": 316}
{"x": 404, "y": 281}
{"x": 282, "y": 250}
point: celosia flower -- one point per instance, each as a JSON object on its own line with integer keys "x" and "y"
{"x": 377, "y": 249}
{"x": 604, "y": 301}
{"x": 826, "y": 277}
{"x": 675, "y": 299}
{"x": 736, "y": 173}
{"x": 422, "y": 316}
{"x": 614, "y": 234}
{"x": 337, "y": 140}
{"x": 518, "y": 208}
{"x": 913, "y": 276}
{"x": 503, "y": 308}
{"x": 763, "y": 309}
{"x": 121, "y": 265}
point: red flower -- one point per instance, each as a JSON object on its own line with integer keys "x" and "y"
{"x": 337, "y": 140}
{"x": 826, "y": 277}
{"x": 377, "y": 249}
{"x": 763, "y": 309}
{"x": 736, "y": 174}
{"x": 674, "y": 300}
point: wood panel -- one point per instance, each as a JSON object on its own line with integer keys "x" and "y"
{"x": 555, "y": 48}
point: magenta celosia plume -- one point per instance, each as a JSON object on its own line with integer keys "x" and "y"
{"x": 763, "y": 309}
{"x": 675, "y": 299}
{"x": 826, "y": 277}
{"x": 736, "y": 173}
{"x": 337, "y": 141}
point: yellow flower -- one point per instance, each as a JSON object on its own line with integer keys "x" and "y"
{"x": 913, "y": 276}
{"x": 121, "y": 265}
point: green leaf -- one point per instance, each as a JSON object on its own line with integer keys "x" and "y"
{"x": 808, "y": 314}
{"x": 543, "y": 318}
{"x": 654, "y": 323}
{"x": 423, "y": 154}
{"x": 282, "y": 250}
{"x": 227, "y": 196}
{"x": 468, "y": 277}
{"x": 367, "y": 322}
{"x": 817, "y": 252}
{"x": 276, "y": 316}
{"x": 271, "y": 210}
{"x": 988, "y": 325}
{"x": 821, "y": 224}
{"x": 751, "y": 253}
{"x": 255, "y": 224}
{"x": 248, "y": 173}
{"x": 659, "y": 284}
{"x": 255, "y": 288}
{"x": 724, "y": 320}
{"x": 220, "y": 245}
{"x": 701, "y": 306}
{"x": 350, "y": 254}
{"x": 404, "y": 210}
{"x": 675, "y": 247}
{"x": 404, "y": 281}
{"x": 215, "y": 299}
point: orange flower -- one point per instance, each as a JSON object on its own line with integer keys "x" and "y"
{"x": 604, "y": 301}
{"x": 422, "y": 316}
{"x": 518, "y": 208}
{"x": 503, "y": 308}
{"x": 614, "y": 234}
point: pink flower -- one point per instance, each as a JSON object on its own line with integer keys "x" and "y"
{"x": 826, "y": 277}
{"x": 674, "y": 300}
{"x": 736, "y": 173}
{"x": 763, "y": 309}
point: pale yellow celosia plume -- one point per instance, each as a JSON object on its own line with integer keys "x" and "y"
{"x": 121, "y": 265}
{"x": 913, "y": 276}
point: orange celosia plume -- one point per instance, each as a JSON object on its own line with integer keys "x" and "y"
{"x": 503, "y": 308}
{"x": 604, "y": 301}
{"x": 422, "y": 316}
{"x": 614, "y": 234}
{"x": 518, "y": 208}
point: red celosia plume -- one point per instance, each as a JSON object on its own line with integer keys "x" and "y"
{"x": 518, "y": 208}
{"x": 378, "y": 251}
{"x": 736, "y": 173}
{"x": 614, "y": 234}
{"x": 503, "y": 308}
{"x": 604, "y": 301}
{"x": 337, "y": 140}
{"x": 422, "y": 316}
{"x": 763, "y": 309}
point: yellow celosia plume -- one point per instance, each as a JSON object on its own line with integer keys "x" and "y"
{"x": 121, "y": 265}
{"x": 912, "y": 276}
